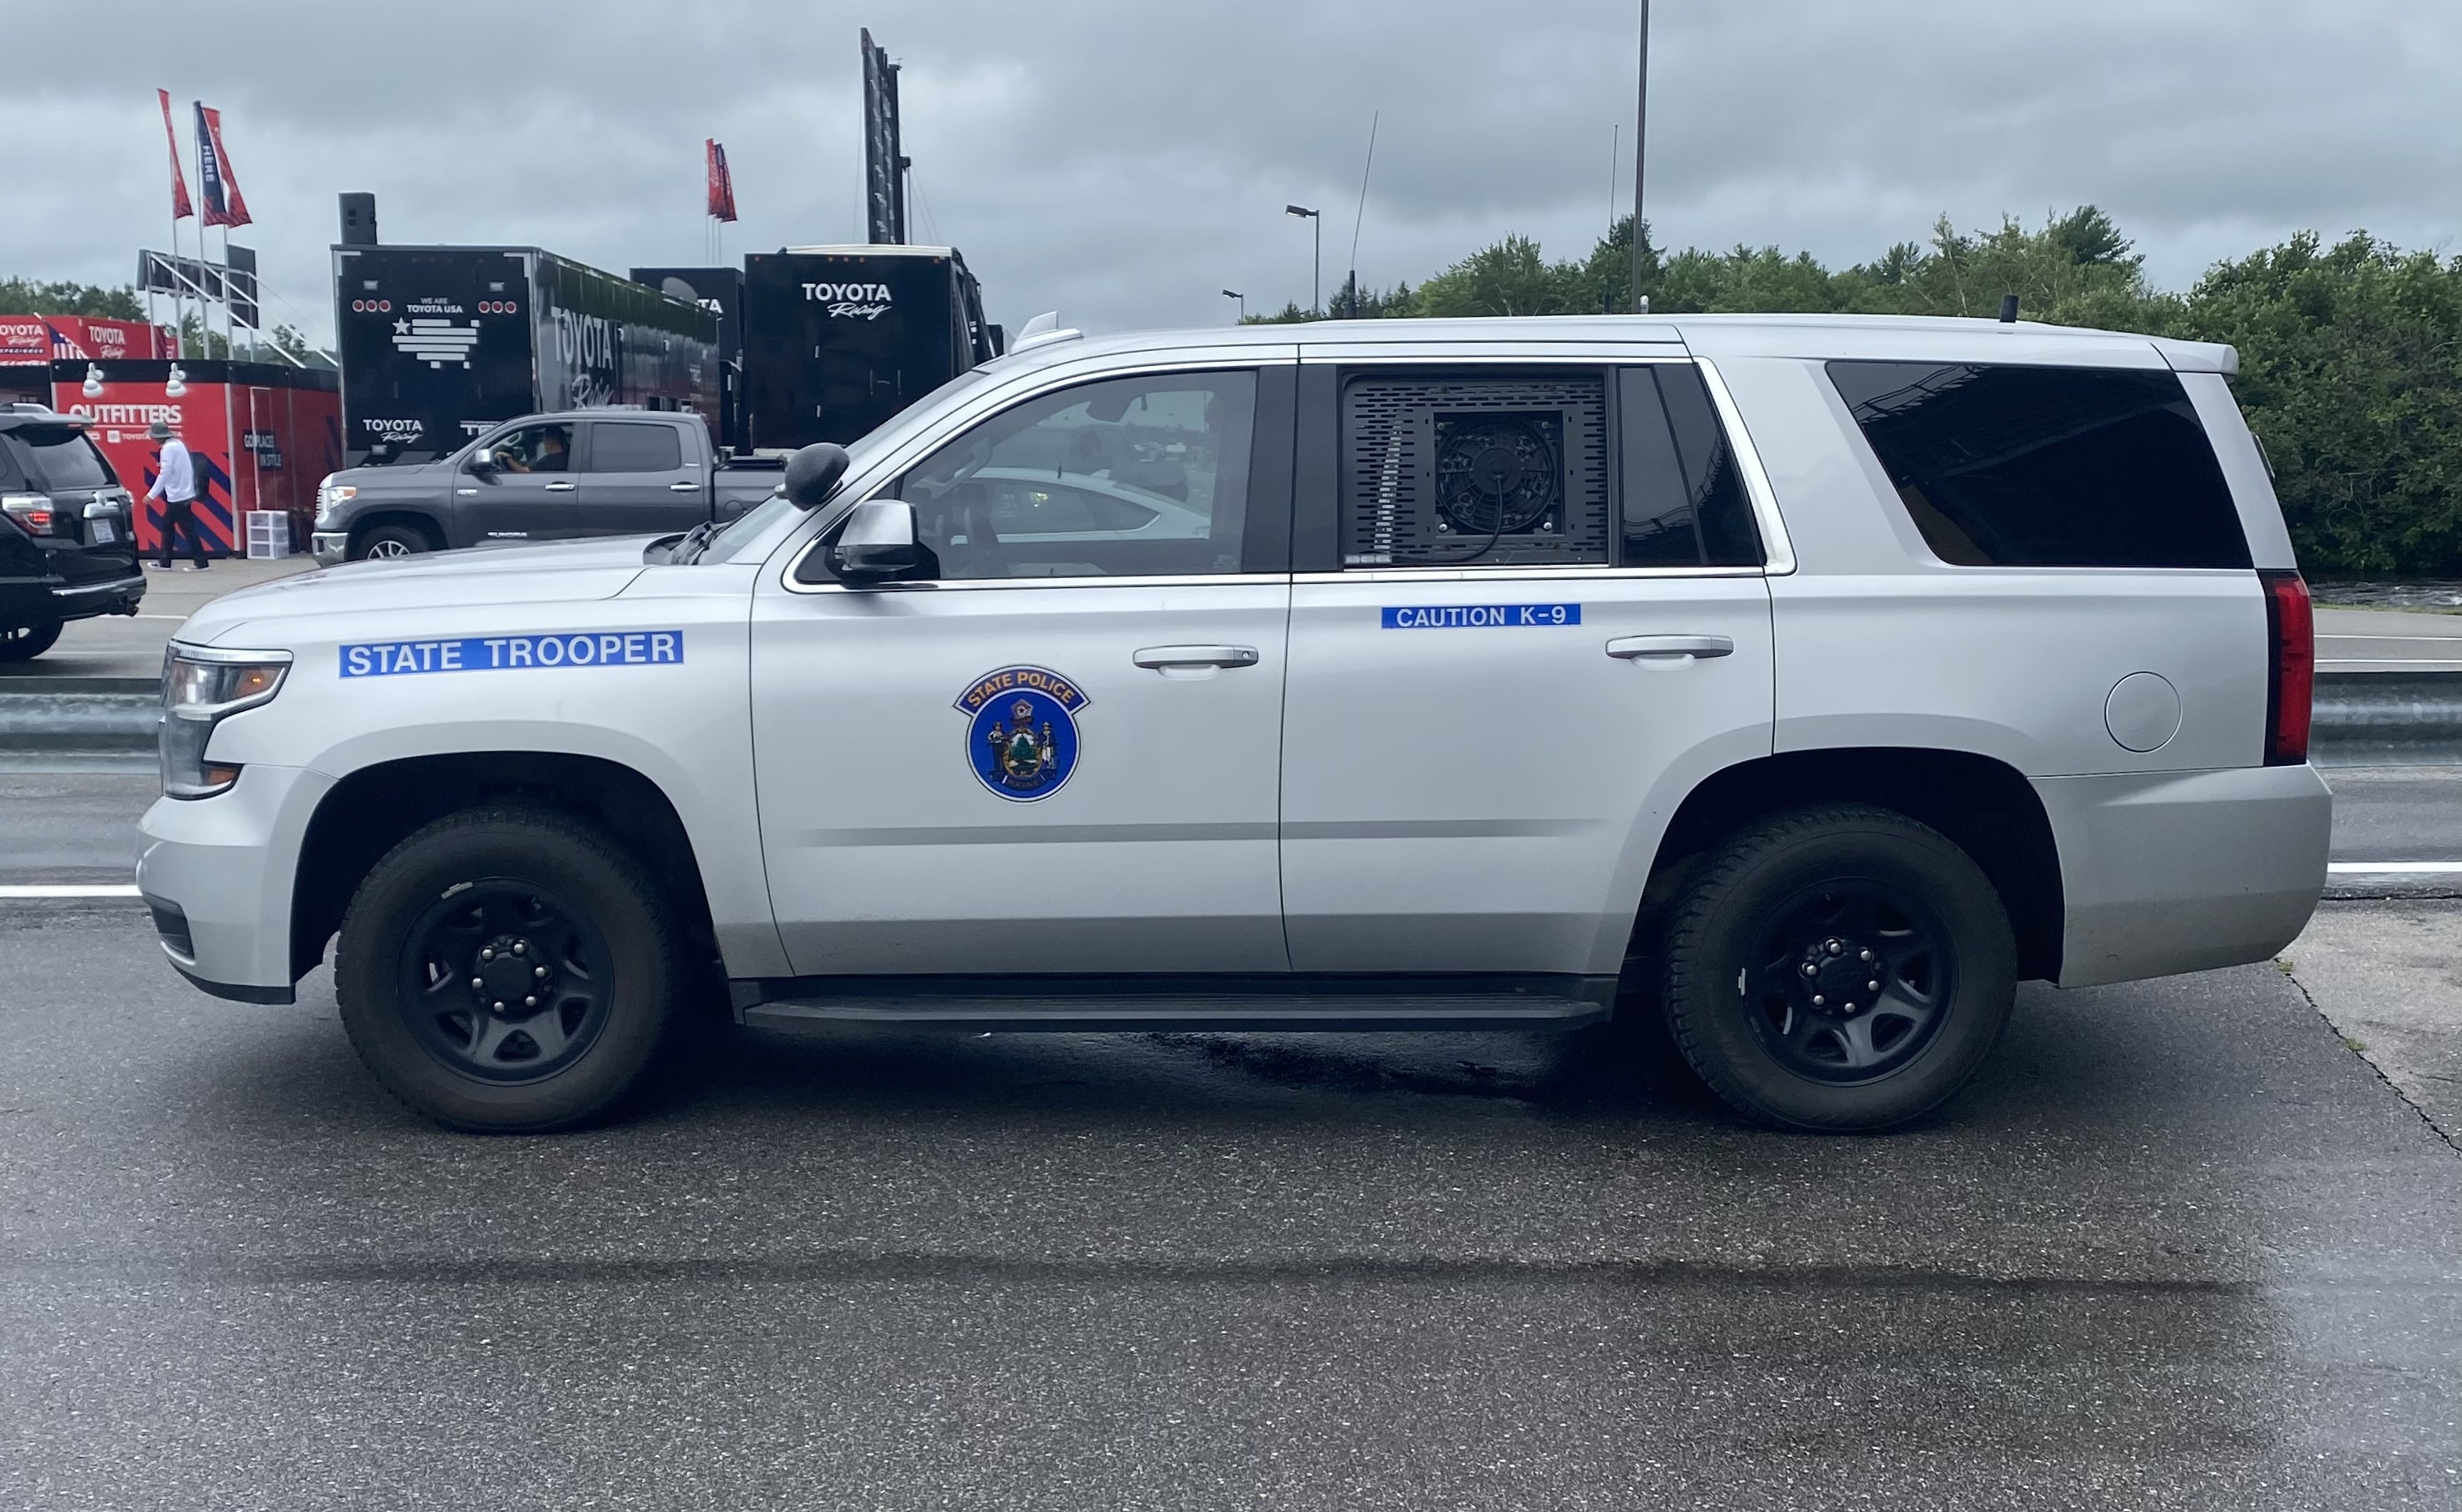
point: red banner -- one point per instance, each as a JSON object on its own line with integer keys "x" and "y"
{"x": 181, "y": 208}
{"x": 224, "y": 205}
{"x": 50, "y": 338}
{"x": 722, "y": 183}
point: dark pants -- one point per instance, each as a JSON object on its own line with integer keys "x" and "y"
{"x": 177, "y": 516}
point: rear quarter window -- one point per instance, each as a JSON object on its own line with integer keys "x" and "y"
{"x": 2042, "y": 466}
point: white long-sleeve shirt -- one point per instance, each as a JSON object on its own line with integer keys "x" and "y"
{"x": 176, "y": 482}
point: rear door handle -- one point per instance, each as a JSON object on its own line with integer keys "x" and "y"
{"x": 562, "y": 488}
{"x": 1657, "y": 648}
{"x": 1159, "y": 657}
{"x": 682, "y": 487}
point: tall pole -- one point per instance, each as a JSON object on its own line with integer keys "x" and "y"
{"x": 1316, "y": 270}
{"x": 1640, "y": 157}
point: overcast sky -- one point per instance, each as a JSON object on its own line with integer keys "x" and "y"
{"x": 1124, "y": 161}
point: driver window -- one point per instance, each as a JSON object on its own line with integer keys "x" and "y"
{"x": 534, "y": 448}
{"x": 1125, "y": 478}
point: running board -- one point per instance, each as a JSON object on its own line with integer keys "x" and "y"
{"x": 1133, "y": 1005}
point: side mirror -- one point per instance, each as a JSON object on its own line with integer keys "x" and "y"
{"x": 485, "y": 466}
{"x": 879, "y": 541}
{"x": 814, "y": 471}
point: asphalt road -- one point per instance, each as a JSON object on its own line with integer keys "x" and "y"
{"x": 2179, "y": 1247}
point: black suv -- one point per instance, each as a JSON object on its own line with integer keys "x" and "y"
{"x": 68, "y": 531}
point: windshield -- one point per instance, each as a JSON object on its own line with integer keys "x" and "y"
{"x": 62, "y": 457}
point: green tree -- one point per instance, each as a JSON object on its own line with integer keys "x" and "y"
{"x": 2351, "y": 375}
{"x": 23, "y": 296}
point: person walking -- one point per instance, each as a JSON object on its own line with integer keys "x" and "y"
{"x": 175, "y": 484}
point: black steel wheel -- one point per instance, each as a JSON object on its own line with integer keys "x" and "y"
{"x": 1852, "y": 981}
{"x": 504, "y": 981}
{"x": 1838, "y": 968}
{"x": 26, "y": 642}
{"x": 509, "y": 971}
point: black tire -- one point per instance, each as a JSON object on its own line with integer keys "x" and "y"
{"x": 388, "y": 541}
{"x": 28, "y": 641}
{"x": 1900, "y": 1029}
{"x": 488, "y": 881}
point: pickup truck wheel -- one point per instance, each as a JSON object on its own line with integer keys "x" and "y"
{"x": 26, "y": 642}
{"x": 387, "y": 541}
{"x": 507, "y": 971}
{"x": 1839, "y": 969}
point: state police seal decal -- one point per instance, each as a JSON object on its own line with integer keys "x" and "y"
{"x": 1022, "y": 731}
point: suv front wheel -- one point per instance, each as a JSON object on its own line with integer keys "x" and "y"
{"x": 507, "y": 971}
{"x": 1839, "y": 968}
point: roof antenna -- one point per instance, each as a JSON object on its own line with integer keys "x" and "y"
{"x": 2008, "y": 310}
{"x": 1357, "y": 219}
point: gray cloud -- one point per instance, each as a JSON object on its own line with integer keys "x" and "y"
{"x": 1125, "y": 162}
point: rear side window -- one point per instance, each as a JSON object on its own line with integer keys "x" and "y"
{"x": 61, "y": 458}
{"x": 2038, "y": 466}
{"x": 617, "y": 447}
{"x": 1684, "y": 503}
{"x": 1475, "y": 467}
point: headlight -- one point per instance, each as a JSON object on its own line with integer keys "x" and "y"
{"x": 200, "y": 686}
{"x": 329, "y": 493}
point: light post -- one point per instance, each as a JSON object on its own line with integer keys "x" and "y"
{"x": 1316, "y": 273}
{"x": 1234, "y": 293}
{"x": 1640, "y": 158}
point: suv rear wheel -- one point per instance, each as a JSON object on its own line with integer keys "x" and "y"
{"x": 507, "y": 971}
{"x": 26, "y": 642}
{"x": 1838, "y": 969}
{"x": 385, "y": 541}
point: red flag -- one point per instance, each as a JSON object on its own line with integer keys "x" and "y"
{"x": 722, "y": 183}
{"x": 181, "y": 208}
{"x": 224, "y": 205}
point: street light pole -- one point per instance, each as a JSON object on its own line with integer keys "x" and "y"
{"x": 1316, "y": 270}
{"x": 1234, "y": 293}
{"x": 1640, "y": 155}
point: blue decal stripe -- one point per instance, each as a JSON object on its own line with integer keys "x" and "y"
{"x": 1482, "y": 616}
{"x": 555, "y": 648}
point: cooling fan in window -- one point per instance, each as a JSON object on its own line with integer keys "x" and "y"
{"x": 1499, "y": 467}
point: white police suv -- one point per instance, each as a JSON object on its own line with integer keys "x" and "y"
{"x": 1811, "y": 680}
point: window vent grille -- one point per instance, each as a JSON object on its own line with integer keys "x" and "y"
{"x": 1495, "y": 471}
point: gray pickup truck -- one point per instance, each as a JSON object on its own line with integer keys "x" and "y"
{"x": 542, "y": 478}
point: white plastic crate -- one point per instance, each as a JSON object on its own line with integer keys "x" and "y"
{"x": 268, "y": 534}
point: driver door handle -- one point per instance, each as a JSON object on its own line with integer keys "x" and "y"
{"x": 683, "y": 487}
{"x": 1160, "y": 657}
{"x": 562, "y": 488}
{"x": 1654, "y": 648}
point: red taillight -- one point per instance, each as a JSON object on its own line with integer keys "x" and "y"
{"x": 33, "y": 512}
{"x": 2291, "y": 678}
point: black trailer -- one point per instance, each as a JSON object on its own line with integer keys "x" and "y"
{"x": 439, "y": 343}
{"x": 719, "y": 290}
{"x": 837, "y": 340}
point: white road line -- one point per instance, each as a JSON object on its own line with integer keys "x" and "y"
{"x": 2407, "y": 868}
{"x": 68, "y": 890}
{"x": 2424, "y": 640}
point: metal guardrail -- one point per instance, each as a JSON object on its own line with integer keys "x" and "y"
{"x": 2362, "y": 718}
{"x": 2387, "y": 719}
{"x": 79, "y": 716}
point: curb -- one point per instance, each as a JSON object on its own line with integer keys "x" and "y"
{"x": 2362, "y": 718}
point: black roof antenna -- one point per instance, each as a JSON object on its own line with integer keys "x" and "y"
{"x": 2008, "y": 310}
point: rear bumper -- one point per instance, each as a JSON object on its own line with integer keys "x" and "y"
{"x": 36, "y": 601}
{"x": 2171, "y": 872}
